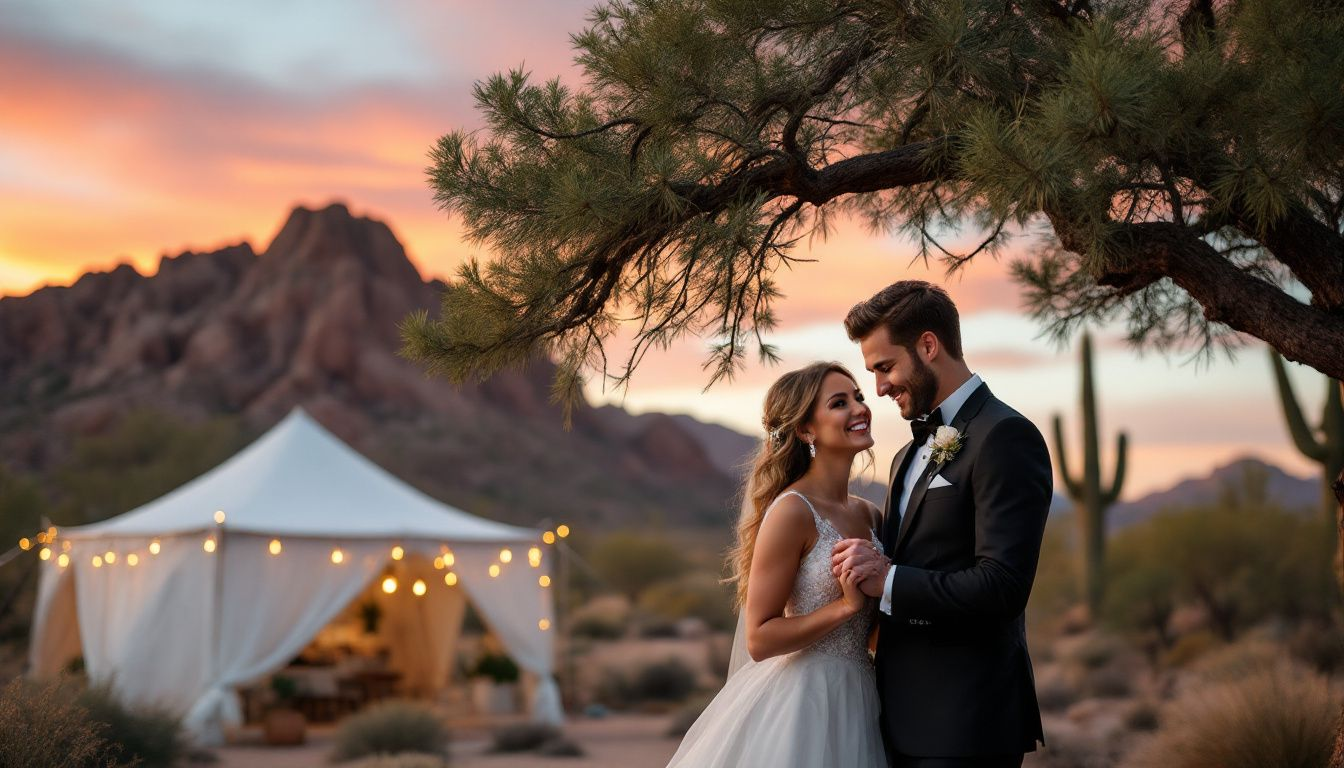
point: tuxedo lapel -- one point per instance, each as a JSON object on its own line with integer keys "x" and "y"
{"x": 895, "y": 485}
{"x": 968, "y": 411}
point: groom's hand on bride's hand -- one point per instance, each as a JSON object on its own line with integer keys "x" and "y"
{"x": 860, "y": 556}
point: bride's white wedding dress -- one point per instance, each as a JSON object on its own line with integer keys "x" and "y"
{"x": 813, "y": 708}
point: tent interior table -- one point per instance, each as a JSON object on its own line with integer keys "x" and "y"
{"x": 219, "y": 584}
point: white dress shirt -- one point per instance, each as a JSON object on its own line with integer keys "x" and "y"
{"x": 919, "y": 463}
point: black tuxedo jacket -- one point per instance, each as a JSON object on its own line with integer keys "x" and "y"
{"x": 952, "y": 666}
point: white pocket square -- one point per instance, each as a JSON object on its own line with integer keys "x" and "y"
{"x": 939, "y": 482}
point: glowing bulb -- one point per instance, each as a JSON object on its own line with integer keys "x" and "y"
{"x": 450, "y": 579}
{"x": 97, "y": 562}
{"x": 110, "y": 558}
{"x": 534, "y": 557}
{"x": 42, "y": 538}
{"x": 438, "y": 563}
{"x": 154, "y": 547}
{"x": 398, "y": 553}
{"x": 132, "y": 559}
{"x": 562, "y": 531}
{"x": 25, "y": 544}
{"x": 219, "y": 517}
{"x": 337, "y": 556}
{"x": 448, "y": 559}
{"x": 494, "y": 570}
{"x": 544, "y": 581}
{"x": 544, "y": 624}
{"x": 276, "y": 547}
{"x": 63, "y": 560}
{"x": 51, "y": 533}
{"x": 209, "y": 545}
{"x": 65, "y": 546}
{"x": 506, "y": 555}
{"x": 45, "y": 554}
{"x": 548, "y": 537}
{"x": 419, "y": 588}
{"x": 389, "y": 585}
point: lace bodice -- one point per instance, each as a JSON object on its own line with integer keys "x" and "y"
{"x": 815, "y": 586}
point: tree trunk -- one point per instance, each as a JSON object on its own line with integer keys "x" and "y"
{"x": 1337, "y": 757}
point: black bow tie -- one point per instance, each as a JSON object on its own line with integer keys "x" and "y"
{"x": 924, "y": 426}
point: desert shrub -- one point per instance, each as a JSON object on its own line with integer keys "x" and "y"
{"x": 150, "y": 736}
{"x": 1143, "y": 716}
{"x": 1110, "y": 682}
{"x": 597, "y": 628}
{"x": 1056, "y": 694}
{"x": 633, "y": 562}
{"x": 403, "y": 760}
{"x": 522, "y": 737}
{"x": 1055, "y": 589}
{"x": 684, "y": 718}
{"x": 45, "y": 726}
{"x": 1231, "y": 663}
{"x": 560, "y": 746}
{"x": 1190, "y": 647}
{"x": 700, "y": 596}
{"x": 603, "y": 618}
{"x": 1281, "y": 716}
{"x": 1319, "y": 645}
{"x": 667, "y": 681}
{"x": 390, "y": 728}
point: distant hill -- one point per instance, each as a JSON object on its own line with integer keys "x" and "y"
{"x": 1288, "y": 491}
{"x": 312, "y": 321}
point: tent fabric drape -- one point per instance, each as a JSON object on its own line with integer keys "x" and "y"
{"x": 422, "y": 632}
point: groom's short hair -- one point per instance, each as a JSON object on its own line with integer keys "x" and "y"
{"x": 907, "y": 309}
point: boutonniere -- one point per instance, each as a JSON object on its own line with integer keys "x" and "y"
{"x": 946, "y": 443}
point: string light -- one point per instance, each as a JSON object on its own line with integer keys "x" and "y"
{"x": 132, "y": 559}
{"x": 544, "y": 581}
{"x": 110, "y": 558}
{"x": 419, "y": 588}
{"x": 448, "y": 560}
{"x": 398, "y": 552}
{"x": 209, "y": 544}
{"x": 544, "y": 624}
{"x": 45, "y": 554}
{"x": 389, "y": 585}
{"x": 51, "y": 533}
{"x": 97, "y": 561}
{"x": 562, "y": 531}
{"x": 25, "y": 544}
{"x": 276, "y": 547}
{"x": 42, "y": 538}
{"x": 154, "y": 547}
{"x": 63, "y": 560}
{"x": 548, "y": 537}
{"x": 219, "y": 517}
{"x": 494, "y": 570}
{"x": 337, "y": 556}
{"x": 438, "y": 563}
{"x": 65, "y": 546}
{"x": 534, "y": 557}
{"x": 506, "y": 555}
{"x": 450, "y": 579}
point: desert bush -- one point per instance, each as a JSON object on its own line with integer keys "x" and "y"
{"x": 1190, "y": 647}
{"x": 602, "y": 618}
{"x": 597, "y": 628}
{"x": 560, "y": 746}
{"x": 634, "y": 562}
{"x": 1319, "y": 645}
{"x": 684, "y": 718}
{"x": 700, "y": 596}
{"x": 149, "y": 736}
{"x": 1281, "y": 716}
{"x": 522, "y": 737}
{"x": 45, "y": 726}
{"x": 1230, "y": 663}
{"x": 1143, "y": 716}
{"x": 403, "y": 760}
{"x": 667, "y": 681}
{"x": 1056, "y": 694}
{"x": 1113, "y": 681}
{"x": 390, "y": 728}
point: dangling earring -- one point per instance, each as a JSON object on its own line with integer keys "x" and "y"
{"x": 811, "y": 449}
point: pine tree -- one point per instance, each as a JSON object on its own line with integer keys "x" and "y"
{"x": 1183, "y": 159}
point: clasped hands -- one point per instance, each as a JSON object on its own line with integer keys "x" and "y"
{"x": 861, "y": 557}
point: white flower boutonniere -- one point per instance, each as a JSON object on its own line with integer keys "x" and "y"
{"x": 946, "y": 443}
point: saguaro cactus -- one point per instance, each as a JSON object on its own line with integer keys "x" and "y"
{"x": 1324, "y": 444}
{"x": 1090, "y": 499}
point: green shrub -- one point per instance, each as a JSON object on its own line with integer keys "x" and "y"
{"x": 44, "y": 726}
{"x": 701, "y": 597}
{"x": 667, "y": 681}
{"x": 497, "y": 667}
{"x": 1281, "y": 716}
{"x": 597, "y": 627}
{"x": 523, "y": 737}
{"x": 150, "y": 736}
{"x": 636, "y": 562}
{"x": 390, "y": 728}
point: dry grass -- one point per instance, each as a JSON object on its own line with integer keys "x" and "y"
{"x": 1280, "y": 715}
{"x": 391, "y": 728}
{"x": 44, "y": 726}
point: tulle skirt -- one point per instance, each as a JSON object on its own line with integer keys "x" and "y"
{"x": 809, "y": 710}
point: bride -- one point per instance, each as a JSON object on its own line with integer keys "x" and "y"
{"x": 807, "y": 696}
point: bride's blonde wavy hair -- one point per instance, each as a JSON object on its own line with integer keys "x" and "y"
{"x": 781, "y": 460}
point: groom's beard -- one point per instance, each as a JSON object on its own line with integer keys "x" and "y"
{"x": 923, "y": 389}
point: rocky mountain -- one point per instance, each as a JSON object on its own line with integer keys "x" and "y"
{"x": 312, "y": 321}
{"x": 1288, "y": 491}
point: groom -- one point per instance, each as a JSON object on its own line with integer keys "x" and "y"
{"x": 963, "y": 524}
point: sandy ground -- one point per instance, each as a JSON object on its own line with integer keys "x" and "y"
{"x": 620, "y": 741}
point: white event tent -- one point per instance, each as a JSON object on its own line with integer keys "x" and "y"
{"x": 227, "y": 578}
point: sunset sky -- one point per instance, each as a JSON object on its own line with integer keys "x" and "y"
{"x": 140, "y": 128}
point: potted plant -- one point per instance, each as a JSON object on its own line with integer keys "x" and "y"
{"x": 284, "y": 725}
{"x": 371, "y": 613}
{"x": 494, "y": 685}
